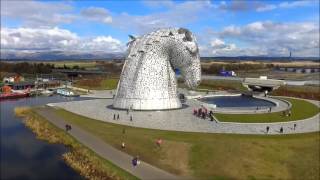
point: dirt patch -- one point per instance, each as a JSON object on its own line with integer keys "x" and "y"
{"x": 176, "y": 154}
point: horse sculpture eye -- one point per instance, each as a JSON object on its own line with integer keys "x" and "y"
{"x": 192, "y": 52}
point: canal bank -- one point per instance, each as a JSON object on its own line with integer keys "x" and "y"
{"x": 23, "y": 156}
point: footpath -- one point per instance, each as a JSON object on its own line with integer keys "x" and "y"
{"x": 119, "y": 158}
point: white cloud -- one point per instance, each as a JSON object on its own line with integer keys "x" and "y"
{"x": 103, "y": 43}
{"x": 264, "y": 38}
{"x": 240, "y": 5}
{"x": 158, "y": 4}
{"x": 37, "y": 39}
{"x": 261, "y": 6}
{"x": 295, "y": 4}
{"x": 267, "y": 7}
{"x": 219, "y": 47}
{"x": 286, "y": 5}
{"x": 177, "y": 15}
{"x": 36, "y": 13}
{"x": 97, "y": 14}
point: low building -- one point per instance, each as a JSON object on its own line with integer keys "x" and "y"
{"x": 12, "y": 78}
{"x": 22, "y": 85}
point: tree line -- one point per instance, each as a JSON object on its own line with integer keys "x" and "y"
{"x": 25, "y": 67}
{"x": 216, "y": 68}
{"x": 32, "y": 68}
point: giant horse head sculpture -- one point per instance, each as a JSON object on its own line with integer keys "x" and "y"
{"x": 148, "y": 80}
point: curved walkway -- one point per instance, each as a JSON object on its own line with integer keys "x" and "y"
{"x": 119, "y": 158}
{"x": 182, "y": 119}
{"x": 281, "y": 105}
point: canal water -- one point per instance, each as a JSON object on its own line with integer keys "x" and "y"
{"x": 22, "y": 155}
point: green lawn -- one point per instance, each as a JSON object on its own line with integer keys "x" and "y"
{"x": 71, "y": 64}
{"x": 217, "y": 85}
{"x": 109, "y": 83}
{"x": 105, "y": 84}
{"x": 300, "y": 110}
{"x": 213, "y": 156}
{"x": 221, "y": 85}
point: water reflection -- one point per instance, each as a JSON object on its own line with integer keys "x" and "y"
{"x": 22, "y": 155}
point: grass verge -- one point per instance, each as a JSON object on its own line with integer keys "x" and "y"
{"x": 86, "y": 162}
{"x": 98, "y": 83}
{"x": 213, "y": 156}
{"x": 221, "y": 85}
{"x": 301, "y": 109}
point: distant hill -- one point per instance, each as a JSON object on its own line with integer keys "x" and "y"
{"x": 259, "y": 58}
{"x": 59, "y": 55}
{"x": 101, "y": 55}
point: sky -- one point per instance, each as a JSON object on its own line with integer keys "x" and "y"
{"x": 222, "y": 28}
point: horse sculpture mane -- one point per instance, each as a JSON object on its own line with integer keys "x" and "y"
{"x": 147, "y": 79}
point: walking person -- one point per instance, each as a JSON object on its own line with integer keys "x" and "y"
{"x": 211, "y": 117}
{"x": 267, "y": 128}
{"x": 130, "y": 118}
{"x": 118, "y": 117}
{"x": 294, "y": 126}
{"x": 199, "y": 112}
{"x": 135, "y": 161}
{"x": 159, "y": 142}
{"x": 114, "y": 116}
{"x": 123, "y": 145}
{"x": 281, "y": 130}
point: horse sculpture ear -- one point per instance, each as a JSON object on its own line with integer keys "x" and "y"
{"x": 132, "y": 37}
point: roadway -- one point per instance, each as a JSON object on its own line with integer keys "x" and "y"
{"x": 288, "y": 82}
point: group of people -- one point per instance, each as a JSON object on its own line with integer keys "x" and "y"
{"x": 118, "y": 116}
{"x": 286, "y": 113}
{"x": 68, "y": 127}
{"x": 114, "y": 116}
{"x": 202, "y": 112}
{"x": 281, "y": 128}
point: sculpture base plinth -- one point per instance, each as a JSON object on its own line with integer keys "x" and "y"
{"x": 147, "y": 104}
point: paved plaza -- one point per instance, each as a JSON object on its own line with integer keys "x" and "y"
{"x": 181, "y": 119}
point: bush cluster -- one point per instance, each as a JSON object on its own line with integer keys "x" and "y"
{"x": 25, "y": 67}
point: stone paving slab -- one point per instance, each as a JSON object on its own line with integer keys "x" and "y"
{"x": 181, "y": 119}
